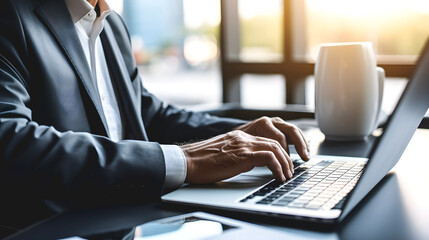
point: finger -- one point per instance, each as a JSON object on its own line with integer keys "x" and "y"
{"x": 306, "y": 144}
{"x": 272, "y": 132}
{"x": 281, "y": 155}
{"x": 293, "y": 135}
{"x": 267, "y": 158}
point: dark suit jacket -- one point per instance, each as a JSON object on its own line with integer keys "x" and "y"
{"x": 52, "y": 130}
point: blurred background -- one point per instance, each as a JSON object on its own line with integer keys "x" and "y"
{"x": 268, "y": 47}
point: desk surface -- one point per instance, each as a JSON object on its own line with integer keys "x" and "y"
{"x": 396, "y": 209}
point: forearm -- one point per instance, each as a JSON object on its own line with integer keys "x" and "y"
{"x": 40, "y": 160}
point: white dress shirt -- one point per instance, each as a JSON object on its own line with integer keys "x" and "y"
{"x": 88, "y": 27}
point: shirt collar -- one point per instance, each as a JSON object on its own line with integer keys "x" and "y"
{"x": 80, "y": 8}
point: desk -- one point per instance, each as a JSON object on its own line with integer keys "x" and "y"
{"x": 398, "y": 208}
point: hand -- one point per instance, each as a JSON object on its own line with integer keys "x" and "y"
{"x": 281, "y": 131}
{"x": 232, "y": 153}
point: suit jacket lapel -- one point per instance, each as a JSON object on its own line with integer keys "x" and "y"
{"x": 55, "y": 15}
{"x": 120, "y": 75}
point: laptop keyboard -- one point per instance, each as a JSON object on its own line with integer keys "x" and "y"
{"x": 321, "y": 185}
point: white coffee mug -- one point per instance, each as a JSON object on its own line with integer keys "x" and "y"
{"x": 349, "y": 90}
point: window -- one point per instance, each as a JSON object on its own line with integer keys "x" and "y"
{"x": 396, "y": 28}
{"x": 187, "y": 55}
{"x": 261, "y": 30}
{"x": 176, "y": 46}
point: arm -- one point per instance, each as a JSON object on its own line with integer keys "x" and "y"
{"x": 262, "y": 142}
{"x": 44, "y": 163}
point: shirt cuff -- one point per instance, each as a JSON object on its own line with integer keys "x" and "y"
{"x": 175, "y": 166}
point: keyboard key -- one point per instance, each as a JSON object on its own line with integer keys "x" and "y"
{"x": 324, "y": 163}
{"x": 318, "y": 201}
{"x": 264, "y": 201}
{"x": 293, "y": 184}
{"x": 324, "y": 196}
{"x": 264, "y": 190}
{"x": 303, "y": 188}
{"x": 335, "y": 188}
{"x": 294, "y": 195}
{"x": 280, "y": 204}
{"x": 286, "y": 188}
{"x": 281, "y": 190}
{"x": 299, "y": 180}
{"x": 301, "y": 201}
{"x": 312, "y": 194}
{"x": 330, "y": 178}
{"x": 273, "y": 184}
{"x": 286, "y": 199}
{"x": 323, "y": 174}
{"x": 309, "y": 184}
{"x": 305, "y": 198}
{"x": 270, "y": 197}
{"x": 260, "y": 193}
{"x": 323, "y": 184}
{"x": 276, "y": 195}
{"x": 296, "y": 205}
{"x": 298, "y": 191}
{"x": 316, "y": 190}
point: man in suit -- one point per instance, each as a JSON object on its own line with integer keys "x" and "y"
{"x": 77, "y": 126}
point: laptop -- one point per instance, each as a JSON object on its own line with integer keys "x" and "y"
{"x": 326, "y": 188}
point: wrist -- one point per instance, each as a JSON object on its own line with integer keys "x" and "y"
{"x": 189, "y": 164}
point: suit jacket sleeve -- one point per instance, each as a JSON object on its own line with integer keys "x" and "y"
{"x": 164, "y": 122}
{"x": 40, "y": 161}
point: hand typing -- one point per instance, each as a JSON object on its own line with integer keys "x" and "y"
{"x": 263, "y": 142}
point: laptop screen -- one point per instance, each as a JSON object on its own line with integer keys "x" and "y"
{"x": 399, "y": 129}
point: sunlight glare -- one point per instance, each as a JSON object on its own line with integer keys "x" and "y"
{"x": 368, "y": 8}
{"x": 249, "y": 9}
{"x": 198, "y": 13}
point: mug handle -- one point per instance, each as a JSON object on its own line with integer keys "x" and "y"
{"x": 381, "y": 74}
